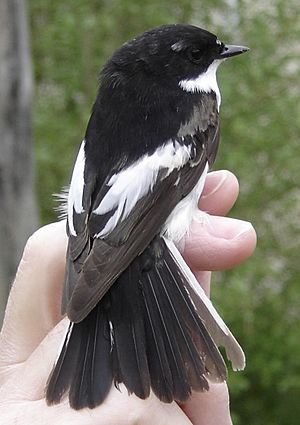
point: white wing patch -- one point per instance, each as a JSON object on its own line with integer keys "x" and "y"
{"x": 76, "y": 188}
{"x": 205, "y": 82}
{"x": 128, "y": 186}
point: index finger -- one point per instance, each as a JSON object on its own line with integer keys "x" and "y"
{"x": 33, "y": 306}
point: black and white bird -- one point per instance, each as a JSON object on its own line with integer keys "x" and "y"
{"x": 137, "y": 314}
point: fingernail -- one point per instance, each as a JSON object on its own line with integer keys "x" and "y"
{"x": 228, "y": 228}
{"x": 245, "y": 228}
{"x": 221, "y": 176}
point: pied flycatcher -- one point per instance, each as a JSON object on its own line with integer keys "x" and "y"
{"x": 137, "y": 314}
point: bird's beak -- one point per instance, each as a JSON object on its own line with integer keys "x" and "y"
{"x": 232, "y": 50}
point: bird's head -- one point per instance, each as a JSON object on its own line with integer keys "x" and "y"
{"x": 169, "y": 56}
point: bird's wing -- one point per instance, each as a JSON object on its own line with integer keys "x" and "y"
{"x": 111, "y": 225}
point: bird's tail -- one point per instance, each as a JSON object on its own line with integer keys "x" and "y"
{"x": 154, "y": 330}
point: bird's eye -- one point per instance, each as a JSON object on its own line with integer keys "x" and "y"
{"x": 195, "y": 55}
{"x": 221, "y": 47}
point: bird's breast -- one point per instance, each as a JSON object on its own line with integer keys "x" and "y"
{"x": 179, "y": 221}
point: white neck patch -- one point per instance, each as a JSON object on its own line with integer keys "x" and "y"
{"x": 206, "y": 82}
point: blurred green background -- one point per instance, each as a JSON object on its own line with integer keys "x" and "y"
{"x": 260, "y": 113}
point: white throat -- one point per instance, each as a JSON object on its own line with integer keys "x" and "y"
{"x": 206, "y": 82}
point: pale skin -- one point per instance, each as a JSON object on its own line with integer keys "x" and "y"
{"x": 33, "y": 328}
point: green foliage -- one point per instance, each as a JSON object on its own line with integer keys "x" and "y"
{"x": 260, "y": 143}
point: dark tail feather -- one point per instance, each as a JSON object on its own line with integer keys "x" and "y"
{"x": 191, "y": 354}
{"x": 165, "y": 361}
{"x": 216, "y": 327}
{"x": 145, "y": 333}
{"x": 61, "y": 376}
{"x": 93, "y": 377}
{"x": 130, "y": 364}
{"x": 158, "y": 336}
{"x": 200, "y": 347}
{"x": 84, "y": 365}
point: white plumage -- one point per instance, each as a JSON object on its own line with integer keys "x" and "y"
{"x": 76, "y": 188}
{"x": 180, "y": 219}
{"x": 131, "y": 184}
{"x": 205, "y": 82}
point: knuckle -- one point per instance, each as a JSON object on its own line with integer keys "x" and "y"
{"x": 36, "y": 241}
{"x": 40, "y": 241}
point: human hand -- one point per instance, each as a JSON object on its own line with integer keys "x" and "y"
{"x": 33, "y": 330}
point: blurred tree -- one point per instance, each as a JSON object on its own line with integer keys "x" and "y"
{"x": 18, "y": 213}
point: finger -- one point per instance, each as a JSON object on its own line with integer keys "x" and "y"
{"x": 219, "y": 243}
{"x": 144, "y": 412}
{"x": 214, "y": 244}
{"x": 118, "y": 408}
{"x": 204, "y": 278}
{"x": 209, "y": 408}
{"x": 219, "y": 195}
{"x": 34, "y": 303}
{"x": 27, "y": 380}
{"x": 220, "y": 192}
